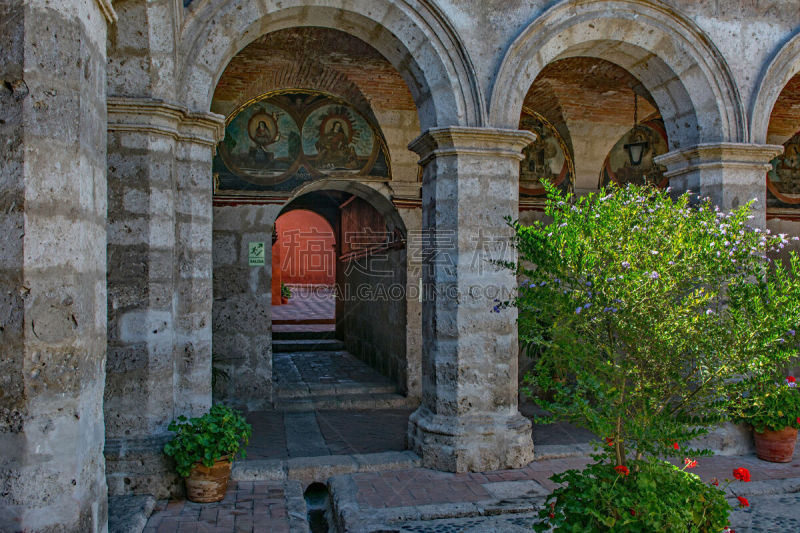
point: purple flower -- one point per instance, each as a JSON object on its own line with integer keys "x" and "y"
{"x": 496, "y": 308}
{"x": 654, "y": 275}
{"x": 578, "y": 310}
{"x": 625, "y": 264}
{"x": 587, "y": 306}
{"x": 791, "y": 332}
{"x": 709, "y": 312}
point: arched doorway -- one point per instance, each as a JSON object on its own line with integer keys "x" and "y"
{"x": 313, "y": 166}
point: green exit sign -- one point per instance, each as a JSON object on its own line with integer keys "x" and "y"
{"x": 256, "y": 254}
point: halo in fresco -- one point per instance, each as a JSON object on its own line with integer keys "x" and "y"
{"x": 282, "y": 140}
{"x": 336, "y": 138}
{"x": 783, "y": 179}
{"x": 547, "y": 158}
{"x": 618, "y": 169}
{"x": 261, "y": 143}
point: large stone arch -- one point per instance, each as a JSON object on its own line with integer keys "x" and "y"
{"x": 413, "y": 35}
{"x": 683, "y": 71}
{"x": 775, "y": 75}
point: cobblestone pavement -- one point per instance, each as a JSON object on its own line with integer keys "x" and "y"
{"x": 321, "y": 371}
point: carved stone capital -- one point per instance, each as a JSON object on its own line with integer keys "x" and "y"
{"x": 481, "y": 142}
{"x": 716, "y": 156}
{"x": 145, "y": 115}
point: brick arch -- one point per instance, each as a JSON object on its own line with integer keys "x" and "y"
{"x": 680, "y": 67}
{"x": 784, "y": 65}
{"x": 413, "y": 35}
{"x": 308, "y": 75}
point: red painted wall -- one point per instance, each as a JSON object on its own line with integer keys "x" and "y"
{"x": 307, "y": 248}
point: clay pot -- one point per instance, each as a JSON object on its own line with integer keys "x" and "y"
{"x": 776, "y": 446}
{"x": 284, "y": 301}
{"x": 208, "y": 484}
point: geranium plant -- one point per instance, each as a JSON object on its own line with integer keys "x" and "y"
{"x": 654, "y": 496}
{"x": 220, "y": 433}
{"x": 640, "y": 309}
{"x": 769, "y": 404}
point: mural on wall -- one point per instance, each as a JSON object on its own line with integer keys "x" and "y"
{"x": 282, "y": 140}
{"x": 547, "y": 158}
{"x": 783, "y": 179}
{"x": 617, "y": 167}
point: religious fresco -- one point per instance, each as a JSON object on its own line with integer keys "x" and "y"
{"x": 783, "y": 179}
{"x": 282, "y": 140}
{"x": 547, "y": 158}
{"x": 618, "y": 169}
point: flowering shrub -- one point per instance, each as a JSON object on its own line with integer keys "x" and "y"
{"x": 767, "y": 405}
{"x": 641, "y": 312}
{"x": 653, "y": 496}
{"x": 640, "y": 309}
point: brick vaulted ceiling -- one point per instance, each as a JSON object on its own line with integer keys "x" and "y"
{"x": 785, "y": 119}
{"x": 586, "y": 89}
{"x": 313, "y": 58}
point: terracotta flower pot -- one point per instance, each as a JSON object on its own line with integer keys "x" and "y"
{"x": 776, "y": 446}
{"x": 208, "y": 484}
{"x": 284, "y": 300}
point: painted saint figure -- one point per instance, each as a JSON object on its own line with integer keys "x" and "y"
{"x": 334, "y": 147}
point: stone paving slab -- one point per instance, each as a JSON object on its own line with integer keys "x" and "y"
{"x": 307, "y": 303}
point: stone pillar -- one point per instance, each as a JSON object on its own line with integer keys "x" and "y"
{"x": 730, "y": 173}
{"x": 468, "y": 419}
{"x": 52, "y": 264}
{"x": 148, "y": 365}
{"x": 242, "y": 305}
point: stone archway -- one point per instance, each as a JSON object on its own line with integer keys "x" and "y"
{"x": 687, "y": 77}
{"x": 414, "y": 36}
{"x": 775, "y": 75}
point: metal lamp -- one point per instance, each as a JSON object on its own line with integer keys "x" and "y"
{"x": 638, "y": 145}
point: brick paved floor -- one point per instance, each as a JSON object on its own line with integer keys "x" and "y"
{"x": 251, "y": 507}
{"x": 307, "y": 304}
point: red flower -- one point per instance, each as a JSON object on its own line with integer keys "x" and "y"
{"x": 675, "y": 445}
{"x": 798, "y": 419}
{"x": 689, "y": 463}
{"x": 552, "y": 515}
{"x": 609, "y": 441}
{"x": 790, "y": 379}
{"x": 715, "y": 482}
{"x": 633, "y": 511}
{"x": 743, "y": 501}
{"x": 742, "y": 474}
{"x": 622, "y": 469}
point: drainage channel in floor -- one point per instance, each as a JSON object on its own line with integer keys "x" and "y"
{"x": 320, "y": 513}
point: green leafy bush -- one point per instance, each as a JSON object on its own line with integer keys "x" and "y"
{"x": 641, "y": 309}
{"x": 222, "y": 432}
{"x": 642, "y": 312}
{"x": 653, "y": 495}
{"x": 768, "y": 405}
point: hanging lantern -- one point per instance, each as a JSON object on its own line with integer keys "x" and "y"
{"x": 638, "y": 140}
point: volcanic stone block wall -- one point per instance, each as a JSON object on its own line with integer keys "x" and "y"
{"x": 53, "y": 268}
{"x": 242, "y": 323}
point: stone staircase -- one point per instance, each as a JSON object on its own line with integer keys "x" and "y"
{"x": 313, "y": 370}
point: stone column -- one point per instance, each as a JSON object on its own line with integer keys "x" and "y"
{"x": 468, "y": 419}
{"x": 52, "y": 264}
{"x": 730, "y": 173}
{"x": 242, "y": 305}
{"x": 146, "y": 371}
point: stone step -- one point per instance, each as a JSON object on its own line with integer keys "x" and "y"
{"x": 307, "y": 345}
{"x": 302, "y": 335}
{"x": 297, "y": 390}
{"x": 342, "y": 401}
{"x": 129, "y": 514}
{"x": 308, "y": 469}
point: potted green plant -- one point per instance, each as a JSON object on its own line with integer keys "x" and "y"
{"x": 286, "y": 293}
{"x": 643, "y": 308}
{"x": 204, "y": 449}
{"x": 773, "y": 410}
